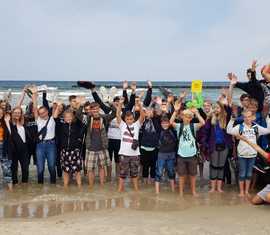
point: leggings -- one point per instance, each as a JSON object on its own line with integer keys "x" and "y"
{"x": 217, "y": 163}
{"x": 148, "y": 161}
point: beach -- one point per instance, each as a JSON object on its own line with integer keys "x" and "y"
{"x": 104, "y": 211}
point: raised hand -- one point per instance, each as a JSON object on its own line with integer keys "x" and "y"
{"x": 133, "y": 86}
{"x": 125, "y": 85}
{"x": 149, "y": 83}
{"x": 254, "y": 65}
{"x": 177, "y": 106}
{"x": 233, "y": 78}
{"x": 194, "y": 110}
{"x": 183, "y": 95}
{"x": 7, "y": 118}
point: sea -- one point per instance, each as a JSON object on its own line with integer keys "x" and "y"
{"x": 61, "y": 90}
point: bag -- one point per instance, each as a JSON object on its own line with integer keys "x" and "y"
{"x": 135, "y": 143}
{"x": 220, "y": 147}
{"x": 42, "y": 133}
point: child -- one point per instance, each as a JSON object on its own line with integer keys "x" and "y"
{"x": 264, "y": 194}
{"x": 129, "y": 148}
{"x": 246, "y": 154}
{"x": 187, "y": 146}
{"x": 166, "y": 155}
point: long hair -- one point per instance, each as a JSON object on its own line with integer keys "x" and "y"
{"x": 21, "y": 120}
{"x": 220, "y": 117}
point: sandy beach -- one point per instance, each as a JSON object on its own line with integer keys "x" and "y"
{"x": 51, "y": 210}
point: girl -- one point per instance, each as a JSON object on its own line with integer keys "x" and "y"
{"x": 18, "y": 144}
{"x": 70, "y": 143}
{"x": 215, "y": 144}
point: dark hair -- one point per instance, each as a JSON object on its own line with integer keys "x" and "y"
{"x": 43, "y": 107}
{"x": 116, "y": 98}
{"x": 249, "y": 71}
{"x": 94, "y": 105}
{"x": 128, "y": 114}
{"x": 86, "y": 104}
{"x": 72, "y": 97}
{"x": 243, "y": 96}
{"x": 164, "y": 118}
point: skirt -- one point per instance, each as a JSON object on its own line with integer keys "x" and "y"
{"x": 71, "y": 161}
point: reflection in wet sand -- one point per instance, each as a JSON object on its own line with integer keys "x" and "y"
{"x": 48, "y": 205}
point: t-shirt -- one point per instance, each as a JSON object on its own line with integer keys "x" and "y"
{"x": 114, "y": 131}
{"x": 1, "y": 134}
{"x": 167, "y": 141}
{"x": 50, "y": 127}
{"x": 219, "y": 134}
{"x": 187, "y": 143}
{"x": 96, "y": 144}
{"x": 21, "y": 133}
{"x": 126, "y": 138}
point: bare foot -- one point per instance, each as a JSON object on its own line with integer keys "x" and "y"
{"x": 194, "y": 194}
{"x": 220, "y": 190}
{"x": 212, "y": 191}
{"x": 248, "y": 195}
{"x": 181, "y": 193}
{"x": 241, "y": 194}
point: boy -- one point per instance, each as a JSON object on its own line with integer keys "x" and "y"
{"x": 166, "y": 154}
{"x": 246, "y": 154}
{"x": 187, "y": 146}
{"x": 129, "y": 147}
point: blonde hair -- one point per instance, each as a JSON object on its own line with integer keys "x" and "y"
{"x": 221, "y": 117}
{"x": 187, "y": 112}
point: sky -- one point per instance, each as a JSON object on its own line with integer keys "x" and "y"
{"x": 158, "y": 40}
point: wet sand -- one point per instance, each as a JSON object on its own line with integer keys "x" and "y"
{"x": 49, "y": 209}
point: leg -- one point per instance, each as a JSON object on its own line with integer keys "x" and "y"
{"x": 40, "y": 162}
{"x": 170, "y": 166}
{"x": 159, "y": 171}
{"x": 250, "y": 164}
{"x": 135, "y": 183}
{"x": 14, "y": 169}
{"x": 91, "y": 178}
{"x": 153, "y": 164}
{"x": 24, "y": 162}
{"x": 101, "y": 175}
{"x": 111, "y": 153}
{"x": 134, "y": 163}
{"x": 66, "y": 179}
{"x": 213, "y": 172}
{"x": 242, "y": 175}
{"x": 116, "y": 156}
{"x": 51, "y": 158}
{"x": 182, "y": 180}
{"x": 193, "y": 185}
{"x": 145, "y": 165}
{"x": 223, "y": 159}
{"x": 121, "y": 185}
{"x": 78, "y": 179}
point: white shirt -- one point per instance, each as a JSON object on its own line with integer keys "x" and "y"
{"x": 114, "y": 130}
{"x": 21, "y": 132}
{"x": 126, "y": 139}
{"x": 50, "y": 127}
{"x": 244, "y": 149}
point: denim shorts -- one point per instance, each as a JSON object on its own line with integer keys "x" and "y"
{"x": 246, "y": 168}
{"x": 165, "y": 161}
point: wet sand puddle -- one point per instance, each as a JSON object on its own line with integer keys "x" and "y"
{"x": 34, "y": 202}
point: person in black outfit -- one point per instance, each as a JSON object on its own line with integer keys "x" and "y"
{"x": 70, "y": 137}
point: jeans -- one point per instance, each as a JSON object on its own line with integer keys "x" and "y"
{"x": 46, "y": 150}
{"x": 245, "y": 168}
{"x": 6, "y": 166}
{"x": 165, "y": 161}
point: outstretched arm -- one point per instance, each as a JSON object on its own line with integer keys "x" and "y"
{"x": 177, "y": 106}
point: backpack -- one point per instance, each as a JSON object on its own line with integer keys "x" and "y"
{"x": 254, "y": 126}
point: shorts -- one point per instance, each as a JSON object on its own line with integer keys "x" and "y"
{"x": 129, "y": 165}
{"x": 165, "y": 161}
{"x": 71, "y": 161}
{"x": 187, "y": 166}
{"x": 264, "y": 192}
{"x": 96, "y": 159}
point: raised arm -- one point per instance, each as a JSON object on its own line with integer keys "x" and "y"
{"x": 148, "y": 97}
{"x": 232, "y": 130}
{"x": 22, "y": 96}
{"x": 125, "y": 95}
{"x": 35, "y": 101}
{"x": 263, "y": 130}
{"x": 119, "y": 110}
{"x": 132, "y": 98}
{"x": 142, "y": 114}
{"x": 106, "y": 109}
{"x": 255, "y": 146}
{"x": 199, "y": 117}
{"x": 177, "y": 106}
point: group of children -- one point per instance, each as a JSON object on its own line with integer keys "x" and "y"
{"x": 148, "y": 139}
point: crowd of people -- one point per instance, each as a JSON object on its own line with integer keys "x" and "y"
{"x": 148, "y": 137}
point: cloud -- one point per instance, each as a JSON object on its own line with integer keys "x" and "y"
{"x": 134, "y": 40}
